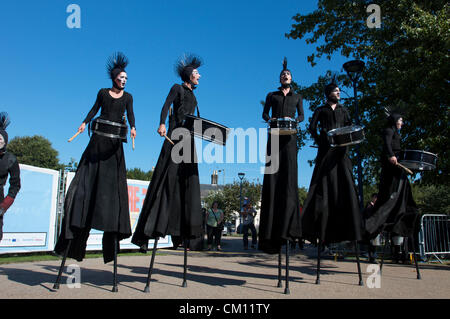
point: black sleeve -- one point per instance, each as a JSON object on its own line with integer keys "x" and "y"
{"x": 130, "y": 111}
{"x": 95, "y": 108}
{"x": 174, "y": 91}
{"x": 301, "y": 115}
{"x": 347, "y": 118}
{"x": 387, "y": 141}
{"x": 14, "y": 178}
{"x": 313, "y": 126}
{"x": 267, "y": 107}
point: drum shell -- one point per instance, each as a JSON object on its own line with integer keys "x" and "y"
{"x": 207, "y": 130}
{"x": 283, "y": 126}
{"x": 109, "y": 128}
{"x": 417, "y": 159}
{"x": 339, "y": 137}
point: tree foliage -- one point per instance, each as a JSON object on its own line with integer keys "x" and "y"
{"x": 407, "y": 70}
{"x": 138, "y": 174}
{"x": 36, "y": 151}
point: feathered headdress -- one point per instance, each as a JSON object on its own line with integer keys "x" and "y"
{"x": 4, "y": 122}
{"x": 285, "y": 66}
{"x": 116, "y": 64}
{"x": 186, "y": 65}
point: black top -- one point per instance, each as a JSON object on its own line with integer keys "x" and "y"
{"x": 391, "y": 142}
{"x": 9, "y": 164}
{"x": 328, "y": 119}
{"x": 184, "y": 102}
{"x": 283, "y": 106}
{"x": 112, "y": 109}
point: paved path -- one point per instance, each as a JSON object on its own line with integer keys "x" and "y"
{"x": 231, "y": 274}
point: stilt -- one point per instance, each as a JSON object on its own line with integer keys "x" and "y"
{"x": 319, "y": 248}
{"x": 116, "y": 244}
{"x": 279, "y": 269}
{"x": 415, "y": 257}
{"x": 61, "y": 268}
{"x": 386, "y": 240}
{"x": 359, "y": 265}
{"x": 150, "y": 269}
{"x": 286, "y": 289}
{"x": 185, "y": 264}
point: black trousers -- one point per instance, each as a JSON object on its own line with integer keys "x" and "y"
{"x": 214, "y": 232}
{"x": 252, "y": 228}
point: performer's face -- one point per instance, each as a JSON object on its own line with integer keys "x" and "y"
{"x": 399, "y": 123}
{"x": 285, "y": 78}
{"x": 195, "y": 76}
{"x": 2, "y": 142}
{"x": 335, "y": 95}
{"x": 121, "y": 80}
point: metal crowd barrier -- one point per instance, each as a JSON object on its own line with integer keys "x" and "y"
{"x": 434, "y": 236}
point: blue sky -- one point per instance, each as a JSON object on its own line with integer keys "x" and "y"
{"x": 52, "y": 73}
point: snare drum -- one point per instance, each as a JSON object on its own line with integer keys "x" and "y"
{"x": 205, "y": 129}
{"x": 417, "y": 160}
{"x": 347, "y": 135}
{"x": 283, "y": 126}
{"x": 109, "y": 128}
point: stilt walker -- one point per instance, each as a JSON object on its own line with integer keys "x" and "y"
{"x": 172, "y": 204}
{"x": 331, "y": 210}
{"x": 97, "y": 196}
{"x": 395, "y": 211}
{"x": 280, "y": 207}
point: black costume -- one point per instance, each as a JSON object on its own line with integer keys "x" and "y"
{"x": 8, "y": 165}
{"x": 172, "y": 204}
{"x": 98, "y": 195}
{"x": 395, "y": 210}
{"x": 280, "y": 207}
{"x": 331, "y": 210}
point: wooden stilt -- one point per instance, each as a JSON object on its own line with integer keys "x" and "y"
{"x": 150, "y": 269}
{"x": 61, "y": 268}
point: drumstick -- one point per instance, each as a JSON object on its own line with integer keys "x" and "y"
{"x": 70, "y": 140}
{"x": 133, "y": 143}
{"x": 405, "y": 168}
{"x": 169, "y": 139}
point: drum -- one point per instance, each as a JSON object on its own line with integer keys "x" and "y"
{"x": 207, "y": 130}
{"x": 417, "y": 160}
{"x": 347, "y": 135}
{"x": 283, "y": 126}
{"x": 109, "y": 128}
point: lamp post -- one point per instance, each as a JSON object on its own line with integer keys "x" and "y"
{"x": 223, "y": 171}
{"x": 241, "y": 177}
{"x": 354, "y": 69}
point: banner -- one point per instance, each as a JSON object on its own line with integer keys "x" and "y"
{"x": 136, "y": 195}
{"x": 29, "y": 224}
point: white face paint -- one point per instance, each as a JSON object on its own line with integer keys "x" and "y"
{"x": 121, "y": 80}
{"x": 195, "y": 76}
{"x": 2, "y": 142}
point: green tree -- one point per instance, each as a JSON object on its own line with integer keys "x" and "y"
{"x": 228, "y": 197}
{"x": 407, "y": 69}
{"x": 36, "y": 151}
{"x": 138, "y": 174}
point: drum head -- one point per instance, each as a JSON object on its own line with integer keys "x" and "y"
{"x": 345, "y": 136}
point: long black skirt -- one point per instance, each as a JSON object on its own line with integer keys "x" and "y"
{"x": 395, "y": 210}
{"x": 97, "y": 198}
{"x": 280, "y": 208}
{"x": 172, "y": 204}
{"x": 331, "y": 212}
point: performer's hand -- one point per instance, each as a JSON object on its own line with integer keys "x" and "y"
{"x": 82, "y": 127}
{"x": 133, "y": 133}
{"x": 162, "y": 130}
{"x": 7, "y": 202}
{"x": 393, "y": 160}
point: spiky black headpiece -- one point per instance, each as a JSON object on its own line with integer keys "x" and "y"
{"x": 285, "y": 66}
{"x": 4, "y": 122}
{"x": 116, "y": 64}
{"x": 186, "y": 65}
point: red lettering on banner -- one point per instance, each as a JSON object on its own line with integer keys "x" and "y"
{"x": 132, "y": 198}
